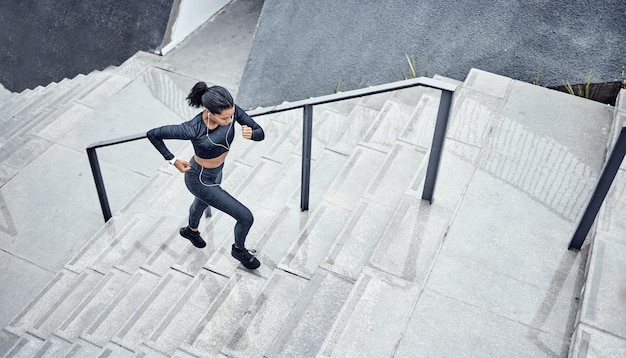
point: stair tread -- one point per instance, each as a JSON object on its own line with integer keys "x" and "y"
{"x": 113, "y": 318}
{"x": 7, "y": 341}
{"x": 193, "y": 303}
{"x": 43, "y": 302}
{"x": 306, "y": 327}
{"x": 157, "y": 304}
{"x": 311, "y": 246}
{"x": 58, "y": 312}
{"x": 255, "y": 333}
{"x": 375, "y": 298}
{"x": 356, "y": 242}
{"x": 85, "y": 313}
{"x": 222, "y": 319}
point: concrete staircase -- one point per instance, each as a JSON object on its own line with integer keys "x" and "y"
{"x": 32, "y": 120}
{"x": 369, "y": 270}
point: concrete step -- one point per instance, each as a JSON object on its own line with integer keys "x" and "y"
{"x": 312, "y": 317}
{"x": 15, "y": 104}
{"x": 73, "y": 296}
{"x": 55, "y": 291}
{"x": 419, "y": 129}
{"x": 136, "y": 65}
{"x": 30, "y": 126}
{"x": 105, "y": 85}
{"x": 186, "y": 313}
{"x": 131, "y": 248}
{"x": 220, "y": 322}
{"x": 18, "y": 152}
{"x": 4, "y": 94}
{"x": 327, "y": 124}
{"x": 391, "y": 121}
{"x": 282, "y": 136}
{"x": 40, "y": 106}
{"x": 448, "y": 79}
{"x": 376, "y": 298}
{"x": 114, "y": 317}
{"x": 353, "y": 129}
{"x": 348, "y": 186}
{"x": 90, "y": 308}
{"x": 312, "y": 244}
{"x": 255, "y": 332}
{"x": 7, "y": 341}
{"x": 149, "y": 243}
{"x": 142, "y": 323}
{"x": 81, "y": 348}
{"x": 30, "y": 346}
{"x": 98, "y": 243}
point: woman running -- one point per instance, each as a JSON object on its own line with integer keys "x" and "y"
{"x": 211, "y": 132}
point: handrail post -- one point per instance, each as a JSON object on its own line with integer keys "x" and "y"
{"x": 97, "y": 177}
{"x": 307, "y": 138}
{"x": 600, "y": 191}
{"x": 445, "y": 105}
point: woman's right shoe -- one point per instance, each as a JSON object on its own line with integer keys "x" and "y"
{"x": 246, "y": 258}
{"x": 192, "y": 236}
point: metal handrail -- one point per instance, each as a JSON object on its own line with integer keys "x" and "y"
{"x": 443, "y": 114}
{"x": 601, "y": 190}
{"x": 97, "y": 173}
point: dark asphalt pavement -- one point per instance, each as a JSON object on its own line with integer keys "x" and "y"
{"x": 305, "y": 48}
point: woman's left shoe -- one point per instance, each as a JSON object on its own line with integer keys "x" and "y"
{"x": 192, "y": 236}
{"x": 246, "y": 258}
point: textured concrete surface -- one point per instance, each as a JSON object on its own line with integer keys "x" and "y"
{"x": 45, "y": 41}
{"x": 304, "y": 49}
{"x": 370, "y": 269}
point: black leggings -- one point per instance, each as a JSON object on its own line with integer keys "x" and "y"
{"x": 204, "y": 184}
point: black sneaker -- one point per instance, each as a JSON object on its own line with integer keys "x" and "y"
{"x": 246, "y": 257}
{"x": 192, "y": 236}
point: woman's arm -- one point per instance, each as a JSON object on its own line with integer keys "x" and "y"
{"x": 179, "y": 131}
{"x": 245, "y": 120}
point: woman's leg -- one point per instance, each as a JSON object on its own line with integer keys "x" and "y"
{"x": 223, "y": 201}
{"x": 191, "y": 231}
{"x": 195, "y": 212}
{"x": 204, "y": 185}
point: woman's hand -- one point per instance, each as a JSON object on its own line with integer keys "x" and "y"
{"x": 182, "y": 165}
{"x": 246, "y": 131}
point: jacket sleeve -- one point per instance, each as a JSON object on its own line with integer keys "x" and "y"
{"x": 244, "y": 119}
{"x": 179, "y": 131}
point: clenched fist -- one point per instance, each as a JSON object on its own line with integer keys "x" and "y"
{"x": 246, "y": 132}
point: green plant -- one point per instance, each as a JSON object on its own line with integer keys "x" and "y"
{"x": 411, "y": 71}
{"x": 343, "y": 87}
{"x": 538, "y": 81}
{"x": 581, "y": 90}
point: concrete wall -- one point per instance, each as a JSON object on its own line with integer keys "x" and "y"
{"x": 47, "y": 40}
{"x": 188, "y": 15}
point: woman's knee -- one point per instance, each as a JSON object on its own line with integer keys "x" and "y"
{"x": 246, "y": 217}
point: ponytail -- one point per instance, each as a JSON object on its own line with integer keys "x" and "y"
{"x": 195, "y": 96}
{"x": 214, "y": 98}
